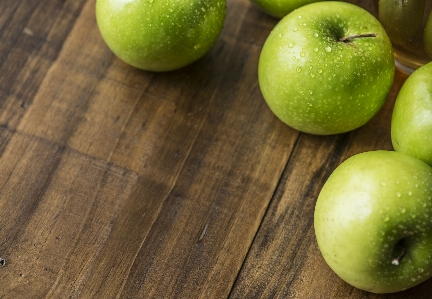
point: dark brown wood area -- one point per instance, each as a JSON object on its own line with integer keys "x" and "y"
{"x": 121, "y": 183}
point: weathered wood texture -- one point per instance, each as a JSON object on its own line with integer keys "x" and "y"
{"x": 120, "y": 183}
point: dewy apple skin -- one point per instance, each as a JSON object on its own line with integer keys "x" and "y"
{"x": 326, "y": 68}
{"x": 373, "y": 221}
{"x": 411, "y": 124}
{"x": 280, "y": 8}
{"x": 160, "y": 35}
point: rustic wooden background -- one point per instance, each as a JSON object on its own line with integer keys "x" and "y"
{"x": 121, "y": 183}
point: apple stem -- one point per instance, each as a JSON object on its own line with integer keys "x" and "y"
{"x": 349, "y": 38}
{"x": 403, "y": 3}
{"x": 396, "y": 261}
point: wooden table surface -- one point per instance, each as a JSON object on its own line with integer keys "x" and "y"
{"x": 121, "y": 183}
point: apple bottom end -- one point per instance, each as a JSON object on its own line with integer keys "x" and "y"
{"x": 377, "y": 288}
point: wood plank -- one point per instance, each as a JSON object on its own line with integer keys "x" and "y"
{"x": 60, "y": 220}
{"x": 32, "y": 38}
{"x": 201, "y": 155}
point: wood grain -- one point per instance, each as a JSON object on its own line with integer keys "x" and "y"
{"x": 121, "y": 183}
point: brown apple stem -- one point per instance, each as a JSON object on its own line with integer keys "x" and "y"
{"x": 396, "y": 261}
{"x": 403, "y": 3}
{"x": 349, "y": 38}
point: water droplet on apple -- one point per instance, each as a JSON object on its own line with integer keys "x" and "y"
{"x": 320, "y": 71}
{"x": 298, "y": 69}
{"x": 310, "y": 92}
{"x": 312, "y": 75}
{"x": 299, "y": 17}
{"x": 295, "y": 29}
{"x": 328, "y": 49}
{"x": 409, "y": 193}
{"x": 403, "y": 210}
{"x": 315, "y": 50}
{"x": 197, "y": 46}
{"x": 280, "y": 35}
{"x": 387, "y": 218}
{"x": 398, "y": 194}
{"x": 302, "y": 54}
{"x": 383, "y": 184}
{"x": 150, "y": 1}
{"x": 291, "y": 45}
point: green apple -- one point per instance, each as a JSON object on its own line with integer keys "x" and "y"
{"x": 411, "y": 124}
{"x": 159, "y": 35}
{"x": 427, "y": 36}
{"x": 326, "y": 68}
{"x": 373, "y": 221}
{"x": 280, "y": 8}
{"x": 402, "y": 19}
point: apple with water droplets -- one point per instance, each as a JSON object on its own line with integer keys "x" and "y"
{"x": 280, "y": 8}
{"x": 373, "y": 221}
{"x": 326, "y": 68}
{"x": 157, "y": 35}
{"x": 411, "y": 124}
